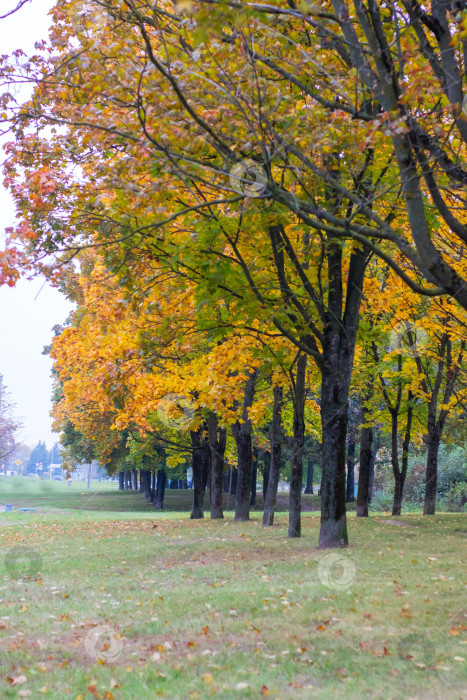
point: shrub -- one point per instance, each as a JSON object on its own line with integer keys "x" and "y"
{"x": 382, "y": 499}
{"x": 452, "y": 468}
{"x": 456, "y": 497}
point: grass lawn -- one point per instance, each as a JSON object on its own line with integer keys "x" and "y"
{"x": 140, "y": 604}
{"x": 104, "y": 495}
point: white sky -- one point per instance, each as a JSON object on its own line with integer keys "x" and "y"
{"x": 27, "y": 312}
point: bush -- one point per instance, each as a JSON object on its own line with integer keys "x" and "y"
{"x": 414, "y": 489}
{"x": 382, "y": 499}
{"x": 456, "y": 497}
{"x": 452, "y": 468}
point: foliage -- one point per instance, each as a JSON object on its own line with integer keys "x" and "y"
{"x": 456, "y": 497}
{"x": 453, "y": 467}
{"x": 39, "y": 456}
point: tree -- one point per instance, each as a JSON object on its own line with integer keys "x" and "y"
{"x": 9, "y": 425}
{"x": 39, "y": 457}
{"x": 331, "y": 165}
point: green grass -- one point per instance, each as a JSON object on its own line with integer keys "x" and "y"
{"x": 202, "y": 609}
{"x": 24, "y": 492}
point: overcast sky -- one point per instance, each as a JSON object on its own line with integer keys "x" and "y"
{"x": 28, "y": 311}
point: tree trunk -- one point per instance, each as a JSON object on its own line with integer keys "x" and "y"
{"x": 334, "y": 400}
{"x": 160, "y": 489}
{"x": 135, "y": 479}
{"x": 366, "y": 440}
{"x": 233, "y": 484}
{"x": 400, "y": 473}
{"x": 147, "y": 484}
{"x": 276, "y": 454}
{"x": 296, "y": 470}
{"x": 374, "y": 452}
{"x": 431, "y": 477}
{"x": 350, "y": 487}
{"x": 266, "y": 478}
{"x": 254, "y": 476}
{"x": 338, "y": 349}
{"x": 200, "y": 465}
{"x": 152, "y": 496}
{"x": 309, "y": 477}
{"x": 242, "y": 433}
{"x": 121, "y": 483}
{"x": 217, "y": 443}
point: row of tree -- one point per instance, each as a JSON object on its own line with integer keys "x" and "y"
{"x": 259, "y": 208}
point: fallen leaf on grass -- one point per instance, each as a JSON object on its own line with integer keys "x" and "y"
{"x": 265, "y": 691}
{"x": 16, "y": 680}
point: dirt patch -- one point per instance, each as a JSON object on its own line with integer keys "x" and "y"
{"x": 399, "y": 523}
{"x": 283, "y": 502}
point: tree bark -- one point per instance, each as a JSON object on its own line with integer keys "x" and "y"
{"x": 160, "y": 489}
{"x": 400, "y": 473}
{"x": 309, "y": 477}
{"x": 152, "y": 495}
{"x": 276, "y": 452}
{"x": 217, "y": 443}
{"x": 350, "y": 485}
{"x": 233, "y": 484}
{"x": 242, "y": 433}
{"x": 147, "y": 484}
{"x": 366, "y": 440}
{"x": 266, "y": 478}
{"x": 296, "y": 471}
{"x": 374, "y": 451}
{"x": 254, "y": 476}
{"x": 333, "y": 532}
{"x": 200, "y": 465}
{"x": 135, "y": 480}
{"x": 431, "y": 477}
{"x": 127, "y": 479}
{"x": 338, "y": 342}
{"x": 121, "y": 483}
